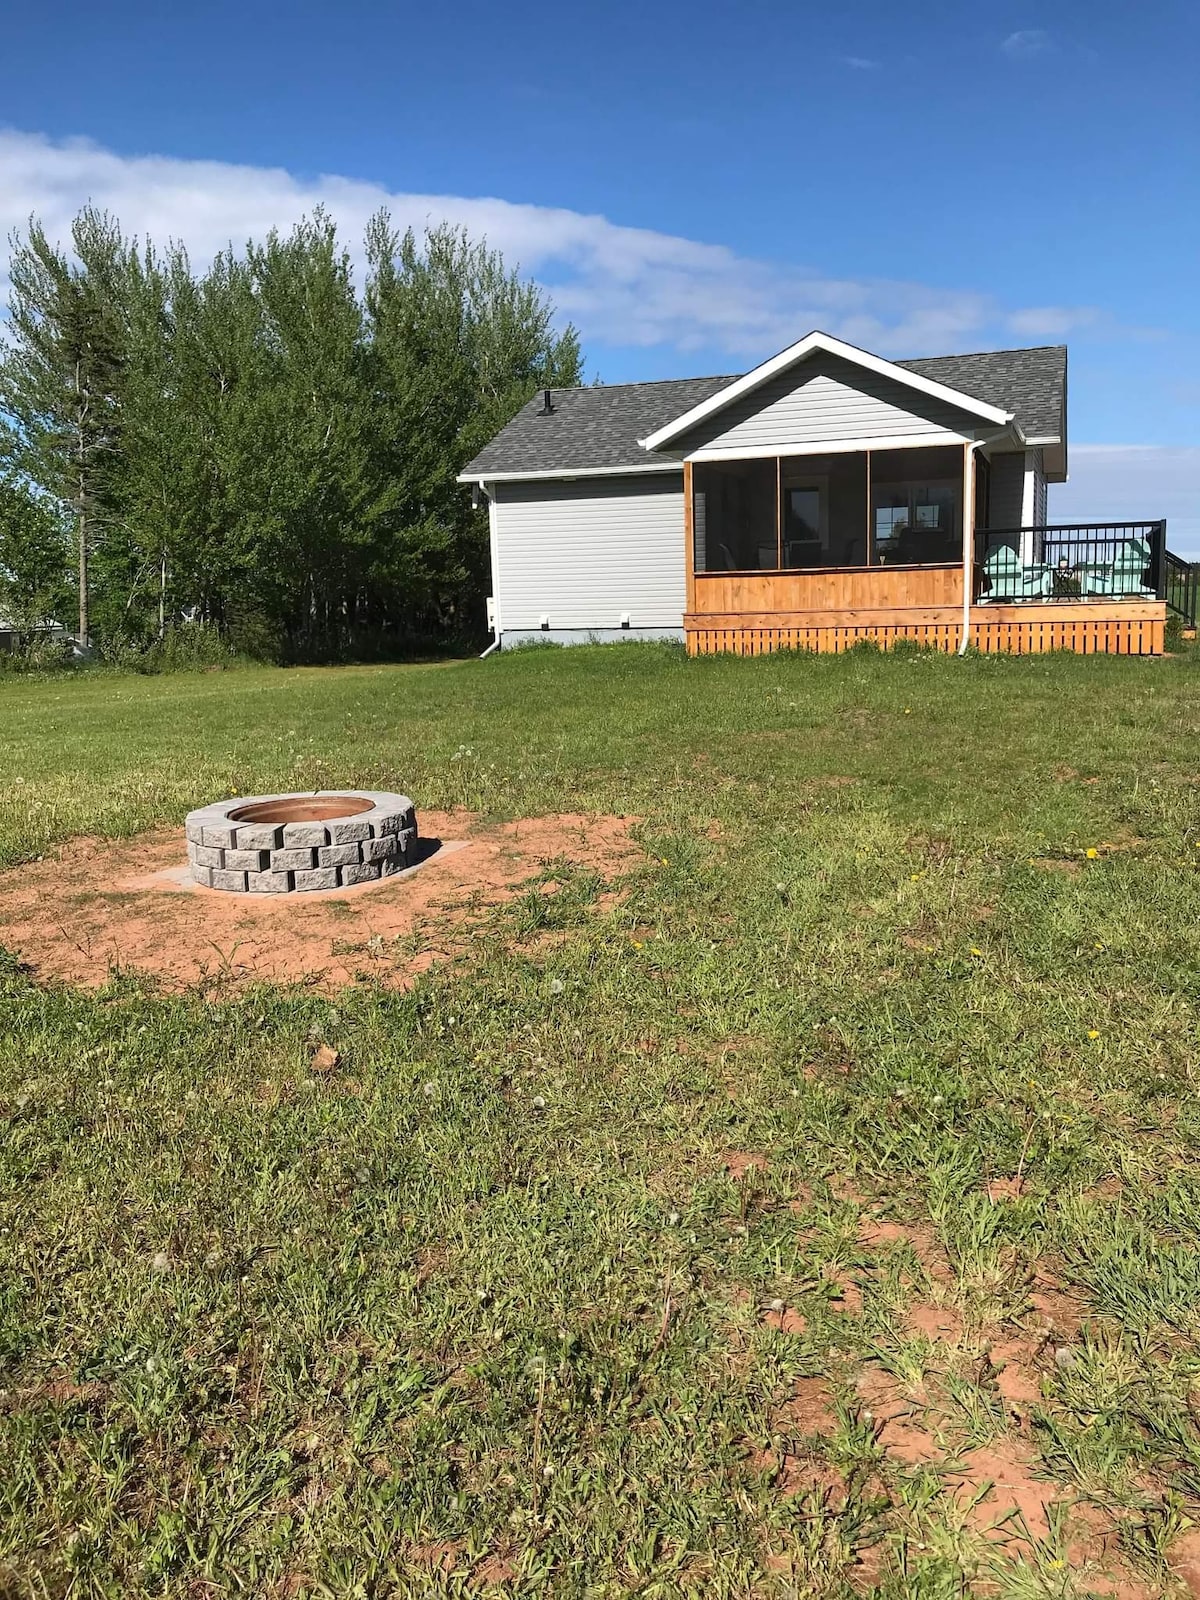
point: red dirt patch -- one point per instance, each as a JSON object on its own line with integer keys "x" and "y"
{"x": 809, "y": 1411}
{"x": 787, "y": 1320}
{"x": 738, "y": 1163}
{"x": 1056, "y": 1309}
{"x": 1016, "y": 1375}
{"x": 1014, "y": 1489}
{"x": 1184, "y": 1559}
{"x": 896, "y": 1416}
{"x": 938, "y": 1324}
{"x": 96, "y": 907}
{"x": 1002, "y": 1189}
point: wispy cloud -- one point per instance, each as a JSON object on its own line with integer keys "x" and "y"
{"x": 1052, "y": 322}
{"x": 623, "y": 286}
{"x": 861, "y": 63}
{"x": 1111, "y": 481}
{"x": 1025, "y": 43}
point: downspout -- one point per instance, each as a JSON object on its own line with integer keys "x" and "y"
{"x": 968, "y": 541}
{"x": 493, "y": 554}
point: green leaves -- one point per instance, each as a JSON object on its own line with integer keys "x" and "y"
{"x": 261, "y": 445}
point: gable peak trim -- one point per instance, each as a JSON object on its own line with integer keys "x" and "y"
{"x": 818, "y": 341}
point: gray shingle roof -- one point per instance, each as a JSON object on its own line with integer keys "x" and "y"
{"x": 1032, "y": 383}
{"x": 590, "y": 428}
{"x": 597, "y": 428}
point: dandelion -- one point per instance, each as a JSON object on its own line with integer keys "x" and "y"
{"x": 1092, "y": 853}
{"x": 665, "y": 862}
{"x": 908, "y": 711}
{"x": 638, "y": 944}
{"x": 976, "y": 951}
{"x": 557, "y": 986}
{"x": 539, "y": 1102}
{"x": 1093, "y": 1033}
{"x": 160, "y": 1262}
{"x": 914, "y": 877}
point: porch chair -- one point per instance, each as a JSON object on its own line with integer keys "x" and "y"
{"x": 1010, "y": 579}
{"x": 1127, "y": 575}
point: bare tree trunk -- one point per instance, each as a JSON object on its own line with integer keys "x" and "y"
{"x": 81, "y": 511}
{"x": 162, "y": 598}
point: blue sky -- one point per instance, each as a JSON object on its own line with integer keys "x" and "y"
{"x": 697, "y": 184}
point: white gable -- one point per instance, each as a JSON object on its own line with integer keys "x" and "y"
{"x": 826, "y": 400}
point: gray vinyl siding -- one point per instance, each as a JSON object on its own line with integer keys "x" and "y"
{"x": 824, "y": 400}
{"x": 1007, "y": 490}
{"x": 1036, "y": 464}
{"x": 583, "y": 554}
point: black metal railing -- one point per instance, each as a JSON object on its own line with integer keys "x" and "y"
{"x": 1182, "y": 587}
{"x": 1084, "y": 561}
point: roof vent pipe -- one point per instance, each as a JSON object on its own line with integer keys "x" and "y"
{"x": 547, "y": 404}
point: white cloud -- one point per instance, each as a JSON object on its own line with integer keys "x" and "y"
{"x": 1143, "y": 482}
{"x": 623, "y": 286}
{"x": 1051, "y": 322}
{"x": 861, "y": 63}
{"x": 1025, "y": 43}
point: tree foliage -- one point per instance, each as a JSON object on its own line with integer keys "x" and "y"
{"x": 263, "y": 445}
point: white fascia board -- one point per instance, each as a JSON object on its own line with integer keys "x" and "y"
{"x": 834, "y": 347}
{"x": 570, "y": 472}
{"x": 834, "y": 447}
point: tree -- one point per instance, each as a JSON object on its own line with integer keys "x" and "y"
{"x": 35, "y": 557}
{"x": 60, "y": 374}
{"x": 260, "y": 444}
{"x": 458, "y": 343}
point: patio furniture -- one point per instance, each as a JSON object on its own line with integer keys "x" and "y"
{"x": 1010, "y": 579}
{"x": 1127, "y": 575}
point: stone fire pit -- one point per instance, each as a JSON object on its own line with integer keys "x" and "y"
{"x": 287, "y": 843}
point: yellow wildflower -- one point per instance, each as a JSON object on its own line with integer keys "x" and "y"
{"x": 975, "y": 951}
{"x": 1093, "y": 1033}
{"x": 1092, "y": 852}
{"x": 637, "y": 944}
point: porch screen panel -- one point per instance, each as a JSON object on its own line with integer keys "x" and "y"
{"x": 916, "y": 507}
{"x": 735, "y": 516}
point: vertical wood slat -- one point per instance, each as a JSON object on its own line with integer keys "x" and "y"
{"x": 1027, "y": 635}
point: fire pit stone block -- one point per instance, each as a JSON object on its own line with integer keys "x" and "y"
{"x": 304, "y": 835}
{"x": 281, "y": 844}
{"x": 365, "y": 872}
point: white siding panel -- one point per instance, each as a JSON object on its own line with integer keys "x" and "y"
{"x": 583, "y": 554}
{"x": 825, "y": 399}
{"x": 1006, "y": 493}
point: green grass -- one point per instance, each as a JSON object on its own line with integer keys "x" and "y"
{"x": 484, "y": 1310}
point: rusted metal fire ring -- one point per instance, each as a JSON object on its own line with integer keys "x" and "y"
{"x": 289, "y": 843}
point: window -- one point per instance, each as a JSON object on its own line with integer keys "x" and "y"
{"x": 916, "y": 523}
{"x": 734, "y": 514}
{"x": 805, "y": 524}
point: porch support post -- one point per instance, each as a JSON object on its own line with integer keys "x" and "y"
{"x": 870, "y": 554}
{"x": 779, "y": 513}
{"x": 689, "y": 538}
{"x": 968, "y": 523}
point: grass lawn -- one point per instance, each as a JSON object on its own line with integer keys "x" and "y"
{"x": 819, "y": 1219}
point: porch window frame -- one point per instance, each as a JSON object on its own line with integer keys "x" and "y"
{"x": 967, "y": 520}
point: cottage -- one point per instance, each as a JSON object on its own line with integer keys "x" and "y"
{"x": 825, "y": 497}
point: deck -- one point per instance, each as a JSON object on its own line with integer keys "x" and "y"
{"x": 751, "y": 613}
